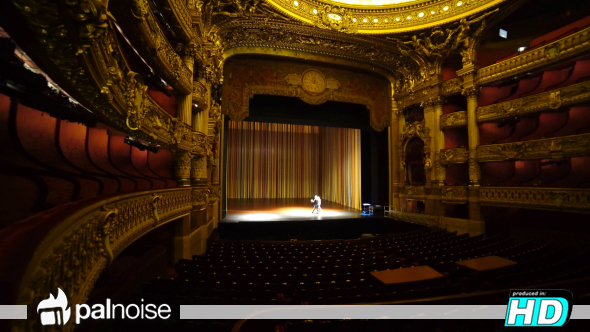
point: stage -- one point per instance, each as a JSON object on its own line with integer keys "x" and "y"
{"x": 257, "y": 210}
{"x": 288, "y": 219}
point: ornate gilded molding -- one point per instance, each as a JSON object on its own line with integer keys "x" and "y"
{"x": 182, "y": 167}
{"x": 289, "y": 38}
{"x": 215, "y": 193}
{"x": 200, "y": 197}
{"x": 141, "y": 27}
{"x": 454, "y": 156}
{"x": 75, "y": 252}
{"x": 471, "y": 92}
{"x": 198, "y": 169}
{"x": 176, "y": 13}
{"x": 553, "y": 148}
{"x": 452, "y": 87}
{"x": 293, "y": 80}
{"x": 416, "y": 129}
{"x": 381, "y": 19}
{"x": 91, "y": 67}
{"x": 440, "y": 170}
{"x": 200, "y": 143}
{"x": 432, "y": 103}
{"x": 201, "y": 95}
{"x": 562, "y": 199}
{"x": 550, "y": 100}
{"x": 567, "y": 47}
{"x": 413, "y": 193}
{"x": 474, "y": 167}
{"x": 454, "y": 194}
{"x": 453, "y": 120}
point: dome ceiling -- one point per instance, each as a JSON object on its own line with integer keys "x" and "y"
{"x": 380, "y": 16}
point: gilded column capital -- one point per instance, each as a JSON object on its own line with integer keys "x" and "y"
{"x": 187, "y": 51}
{"x": 471, "y": 92}
{"x": 434, "y": 102}
{"x": 182, "y": 167}
{"x": 198, "y": 169}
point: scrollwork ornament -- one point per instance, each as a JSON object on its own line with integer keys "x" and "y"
{"x": 415, "y": 191}
{"x": 555, "y": 100}
{"x": 135, "y": 97}
{"x": 452, "y": 120}
{"x": 182, "y": 165}
{"x": 106, "y": 224}
{"x": 439, "y": 169}
{"x": 139, "y": 9}
{"x": 427, "y": 163}
{"x": 200, "y": 197}
{"x": 471, "y": 92}
{"x": 474, "y": 168}
{"x": 454, "y": 156}
{"x": 335, "y": 18}
{"x": 454, "y": 194}
{"x": 92, "y": 18}
{"x": 198, "y": 168}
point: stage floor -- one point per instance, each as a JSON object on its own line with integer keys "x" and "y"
{"x": 253, "y": 210}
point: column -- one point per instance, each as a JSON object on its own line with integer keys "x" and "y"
{"x": 184, "y": 102}
{"x": 471, "y": 94}
{"x": 432, "y": 113}
{"x": 433, "y": 202}
{"x": 394, "y": 169}
{"x": 401, "y": 120}
{"x": 439, "y": 139}
{"x": 201, "y": 118}
{"x": 182, "y": 168}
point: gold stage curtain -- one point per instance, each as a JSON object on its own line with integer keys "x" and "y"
{"x": 271, "y": 160}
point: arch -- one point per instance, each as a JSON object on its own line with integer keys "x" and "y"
{"x": 415, "y": 130}
{"x": 312, "y": 82}
{"x": 415, "y": 161}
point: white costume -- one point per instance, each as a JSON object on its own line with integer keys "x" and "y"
{"x": 317, "y": 204}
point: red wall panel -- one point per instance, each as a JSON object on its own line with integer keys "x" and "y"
{"x": 120, "y": 156}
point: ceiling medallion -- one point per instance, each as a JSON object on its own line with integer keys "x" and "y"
{"x": 313, "y": 82}
{"x": 381, "y": 16}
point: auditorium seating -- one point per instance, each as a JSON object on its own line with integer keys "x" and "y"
{"x": 339, "y": 271}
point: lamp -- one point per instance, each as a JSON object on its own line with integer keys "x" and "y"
{"x": 141, "y": 145}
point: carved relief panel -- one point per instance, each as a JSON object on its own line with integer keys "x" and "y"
{"x": 312, "y": 83}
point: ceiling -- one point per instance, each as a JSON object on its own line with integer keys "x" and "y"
{"x": 380, "y": 16}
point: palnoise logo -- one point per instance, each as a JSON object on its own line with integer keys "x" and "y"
{"x": 54, "y": 310}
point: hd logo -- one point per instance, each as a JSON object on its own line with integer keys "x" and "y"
{"x": 539, "y": 307}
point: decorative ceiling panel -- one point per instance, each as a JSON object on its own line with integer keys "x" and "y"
{"x": 380, "y": 16}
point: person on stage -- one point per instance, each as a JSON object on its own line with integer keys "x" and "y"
{"x": 317, "y": 204}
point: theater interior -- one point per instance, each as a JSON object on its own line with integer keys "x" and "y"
{"x": 168, "y": 151}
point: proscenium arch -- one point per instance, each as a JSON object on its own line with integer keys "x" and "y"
{"x": 298, "y": 55}
{"x": 380, "y": 114}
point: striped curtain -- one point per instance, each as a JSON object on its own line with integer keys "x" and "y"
{"x": 270, "y": 160}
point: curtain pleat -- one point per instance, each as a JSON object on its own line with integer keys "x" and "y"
{"x": 271, "y": 160}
